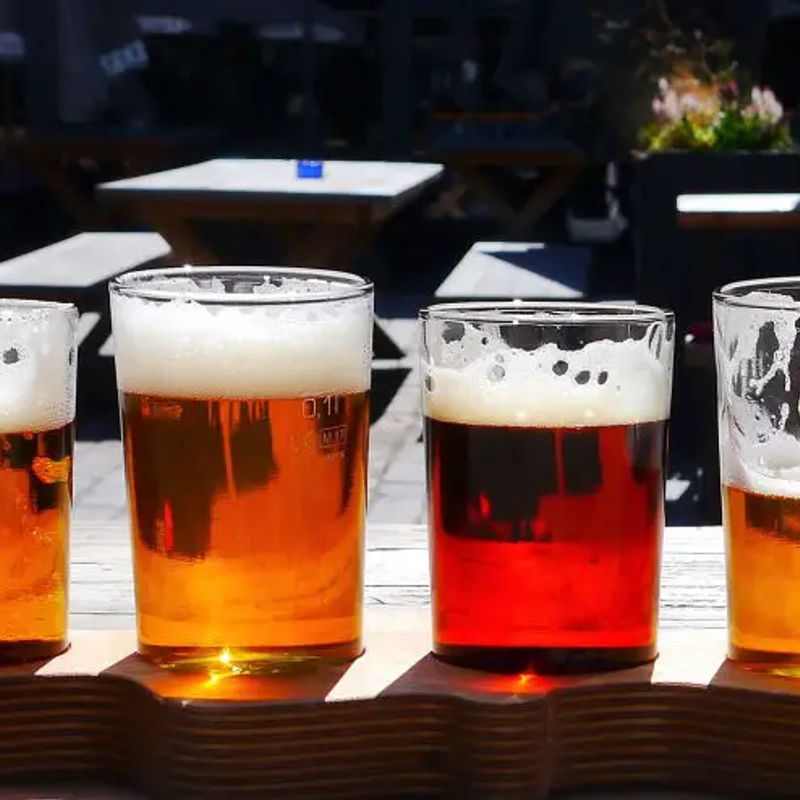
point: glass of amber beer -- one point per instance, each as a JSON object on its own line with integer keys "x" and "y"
{"x": 37, "y": 413}
{"x": 545, "y": 433}
{"x": 756, "y": 326}
{"x": 244, "y": 398}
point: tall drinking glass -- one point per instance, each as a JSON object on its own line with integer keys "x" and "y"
{"x": 37, "y": 413}
{"x": 757, "y": 325}
{"x": 545, "y": 432}
{"x": 244, "y": 396}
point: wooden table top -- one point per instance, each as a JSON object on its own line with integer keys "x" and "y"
{"x": 237, "y": 179}
{"x": 745, "y": 210}
{"x": 692, "y": 595}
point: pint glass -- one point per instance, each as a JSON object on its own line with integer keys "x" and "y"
{"x": 545, "y": 433}
{"x": 758, "y": 378}
{"x": 37, "y": 412}
{"x": 244, "y": 398}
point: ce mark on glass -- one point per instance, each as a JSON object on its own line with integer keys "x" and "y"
{"x": 325, "y": 439}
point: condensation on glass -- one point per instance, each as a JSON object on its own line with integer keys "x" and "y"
{"x": 244, "y": 397}
{"x": 545, "y": 429}
{"x": 37, "y": 412}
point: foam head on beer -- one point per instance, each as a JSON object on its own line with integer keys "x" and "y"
{"x": 755, "y": 367}
{"x": 36, "y": 367}
{"x": 480, "y": 379}
{"x": 188, "y": 347}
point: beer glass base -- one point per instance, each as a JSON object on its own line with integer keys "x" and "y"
{"x": 251, "y": 661}
{"x": 764, "y": 660}
{"x": 545, "y": 660}
{"x": 23, "y": 651}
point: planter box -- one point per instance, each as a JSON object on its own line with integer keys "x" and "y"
{"x": 680, "y": 268}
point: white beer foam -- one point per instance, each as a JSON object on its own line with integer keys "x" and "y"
{"x": 756, "y": 453}
{"x": 771, "y": 468}
{"x": 604, "y": 383}
{"x": 37, "y": 382}
{"x": 182, "y": 348}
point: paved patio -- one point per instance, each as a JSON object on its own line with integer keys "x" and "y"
{"x": 396, "y": 470}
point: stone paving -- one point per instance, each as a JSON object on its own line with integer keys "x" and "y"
{"x": 396, "y": 470}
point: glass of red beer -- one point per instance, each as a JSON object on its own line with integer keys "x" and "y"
{"x": 545, "y": 429}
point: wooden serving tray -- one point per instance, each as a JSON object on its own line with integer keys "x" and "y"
{"x": 396, "y": 723}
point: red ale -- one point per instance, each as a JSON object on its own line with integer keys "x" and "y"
{"x": 546, "y": 544}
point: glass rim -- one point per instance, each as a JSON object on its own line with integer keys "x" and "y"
{"x": 348, "y": 285}
{"x": 734, "y": 294}
{"x": 545, "y": 312}
{"x": 37, "y": 305}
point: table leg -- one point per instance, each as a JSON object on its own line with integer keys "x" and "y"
{"x": 549, "y": 190}
{"x": 319, "y": 246}
{"x": 334, "y": 247}
{"x": 55, "y": 178}
{"x": 184, "y": 239}
{"x": 493, "y": 185}
{"x": 501, "y": 191}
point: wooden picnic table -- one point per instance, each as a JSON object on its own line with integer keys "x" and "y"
{"x": 315, "y": 222}
{"x": 496, "y": 168}
{"x": 747, "y": 211}
{"x": 651, "y": 726}
{"x": 60, "y": 157}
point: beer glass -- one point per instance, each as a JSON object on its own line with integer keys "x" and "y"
{"x": 244, "y": 397}
{"x": 37, "y": 413}
{"x": 756, "y": 326}
{"x": 545, "y": 433}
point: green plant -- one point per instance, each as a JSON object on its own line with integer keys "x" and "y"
{"x": 690, "y": 113}
{"x": 699, "y": 105}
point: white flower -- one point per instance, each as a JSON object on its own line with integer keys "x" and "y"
{"x": 765, "y": 105}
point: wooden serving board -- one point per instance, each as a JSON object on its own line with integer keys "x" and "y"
{"x": 396, "y": 723}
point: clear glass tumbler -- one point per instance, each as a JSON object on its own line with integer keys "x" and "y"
{"x": 244, "y": 396}
{"x": 545, "y": 430}
{"x": 37, "y": 414}
{"x": 756, "y": 328}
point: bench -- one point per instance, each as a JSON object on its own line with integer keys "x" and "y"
{"x": 77, "y": 270}
{"x": 519, "y": 270}
{"x": 73, "y": 265}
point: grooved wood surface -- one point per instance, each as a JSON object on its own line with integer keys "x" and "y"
{"x": 397, "y": 723}
{"x": 98, "y": 722}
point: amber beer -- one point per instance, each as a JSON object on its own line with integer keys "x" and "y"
{"x": 37, "y": 409}
{"x": 35, "y": 507}
{"x": 763, "y": 534}
{"x": 247, "y": 524}
{"x": 245, "y": 437}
